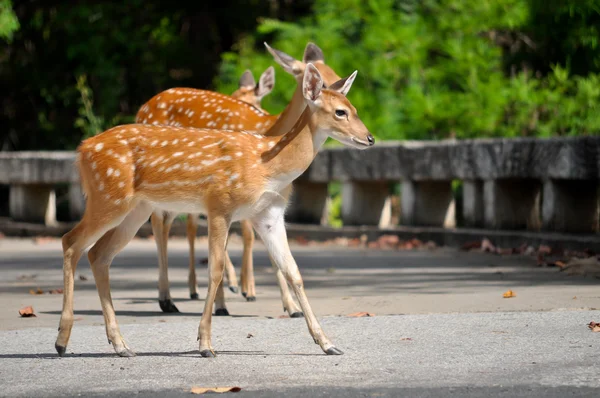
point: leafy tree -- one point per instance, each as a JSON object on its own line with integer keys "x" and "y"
{"x": 436, "y": 68}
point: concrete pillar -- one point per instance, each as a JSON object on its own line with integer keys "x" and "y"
{"x": 366, "y": 203}
{"x": 427, "y": 203}
{"x": 473, "y": 203}
{"x": 309, "y": 203}
{"x": 76, "y": 202}
{"x": 570, "y": 206}
{"x": 33, "y": 203}
{"x": 512, "y": 204}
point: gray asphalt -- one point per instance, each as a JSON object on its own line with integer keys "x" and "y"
{"x": 441, "y": 328}
{"x": 524, "y": 353}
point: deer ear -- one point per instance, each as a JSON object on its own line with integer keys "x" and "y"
{"x": 312, "y": 53}
{"x": 312, "y": 83}
{"x": 289, "y": 63}
{"x": 247, "y": 79}
{"x": 343, "y": 85}
{"x": 265, "y": 83}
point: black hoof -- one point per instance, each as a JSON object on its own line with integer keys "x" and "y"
{"x": 167, "y": 306}
{"x": 60, "y": 349}
{"x": 221, "y": 312}
{"x": 194, "y": 296}
{"x": 250, "y": 298}
{"x": 207, "y": 353}
{"x": 126, "y": 353}
{"x": 298, "y": 314}
{"x": 244, "y": 294}
{"x": 234, "y": 289}
{"x": 334, "y": 351}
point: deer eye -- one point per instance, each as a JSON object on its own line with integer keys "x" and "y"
{"x": 340, "y": 112}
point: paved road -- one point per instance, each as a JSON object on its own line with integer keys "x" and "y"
{"x": 441, "y": 328}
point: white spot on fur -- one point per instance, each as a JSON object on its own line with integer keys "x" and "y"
{"x": 109, "y": 171}
{"x": 99, "y": 147}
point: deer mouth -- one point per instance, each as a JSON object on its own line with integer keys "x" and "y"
{"x": 358, "y": 143}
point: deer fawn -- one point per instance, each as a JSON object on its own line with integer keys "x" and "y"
{"x": 200, "y": 108}
{"x": 252, "y": 93}
{"x": 128, "y": 171}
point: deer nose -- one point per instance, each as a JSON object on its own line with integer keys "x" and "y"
{"x": 371, "y": 139}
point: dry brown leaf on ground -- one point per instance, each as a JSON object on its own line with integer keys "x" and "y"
{"x": 36, "y": 291}
{"x": 219, "y": 390}
{"x": 42, "y": 240}
{"x": 406, "y": 339}
{"x": 83, "y": 278}
{"x": 544, "y": 249}
{"x": 301, "y": 240}
{"x": 583, "y": 266}
{"x": 27, "y": 312}
{"x": 471, "y": 245}
{"x": 594, "y": 326}
{"x": 509, "y": 294}
{"x": 360, "y": 314}
{"x": 56, "y": 291}
{"x": 557, "y": 263}
{"x": 250, "y": 335}
{"x": 487, "y": 246}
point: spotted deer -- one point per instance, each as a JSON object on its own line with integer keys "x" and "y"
{"x": 207, "y": 109}
{"x": 251, "y": 92}
{"x": 129, "y": 171}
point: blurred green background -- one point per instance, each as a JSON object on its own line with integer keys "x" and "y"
{"x": 428, "y": 69}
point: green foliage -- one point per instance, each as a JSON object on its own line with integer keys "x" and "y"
{"x": 432, "y": 69}
{"x": 9, "y": 23}
{"x": 335, "y": 211}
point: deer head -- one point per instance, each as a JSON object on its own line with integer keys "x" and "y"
{"x": 337, "y": 117}
{"x": 253, "y": 93}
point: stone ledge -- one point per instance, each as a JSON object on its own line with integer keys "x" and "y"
{"x": 451, "y": 237}
{"x": 44, "y": 167}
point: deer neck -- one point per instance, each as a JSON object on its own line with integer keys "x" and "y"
{"x": 293, "y": 153}
{"x": 290, "y": 115}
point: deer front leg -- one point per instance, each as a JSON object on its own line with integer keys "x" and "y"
{"x": 101, "y": 256}
{"x": 192, "y": 227}
{"x": 161, "y": 225}
{"x": 247, "y": 274}
{"x": 218, "y": 228}
{"x": 269, "y": 224}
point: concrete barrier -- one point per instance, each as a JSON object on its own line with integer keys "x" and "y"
{"x": 508, "y": 184}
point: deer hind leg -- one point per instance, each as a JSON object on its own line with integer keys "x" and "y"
{"x": 230, "y": 272}
{"x": 218, "y": 228}
{"x": 101, "y": 256}
{"x": 192, "y": 227}
{"x": 247, "y": 274}
{"x": 270, "y": 226}
{"x": 161, "y": 225}
{"x": 289, "y": 304}
{"x": 74, "y": 242}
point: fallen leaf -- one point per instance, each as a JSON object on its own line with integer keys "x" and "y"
{"x": 557, "y": 263}
{"x": 388, "y": 241}
{"x": 595, "y": 326}
{"x": 36, "y": 291}
{"x": 42, "y": 240}
{"x": 505, "y": 251}
{"x": 487, "y": 246}
{"x": 360, "y": 314}
{"x": 574, "y": 297}
{"x": 509, "y": 294}
{"x": 544, "y": 249}
{"x": 83, "y": 278}
{"x": 406, "y": 339}
{"x": 582, "y": 266}
{"x": 26, "y": 312}
{"x": 219, "y": 390}
{"x": 56, "y": 291}
{"x": 471, "y": 245}
{"x": 302, "y": 240}
{"x": 249, "y": 335}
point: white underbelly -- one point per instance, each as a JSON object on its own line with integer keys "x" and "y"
{"x": 181, "y": 207}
